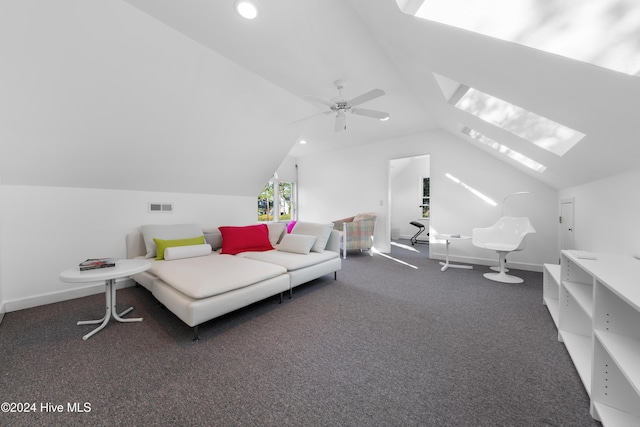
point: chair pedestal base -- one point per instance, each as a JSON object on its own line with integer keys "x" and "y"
{"x": 502, "y": 276}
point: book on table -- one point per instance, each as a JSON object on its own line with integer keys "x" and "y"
{"x": 94, "y": 263}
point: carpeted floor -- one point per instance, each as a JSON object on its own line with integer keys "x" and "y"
{"x": 386, "y": 344}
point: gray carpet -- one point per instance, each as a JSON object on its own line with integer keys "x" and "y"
{"x": 384, "y": 345}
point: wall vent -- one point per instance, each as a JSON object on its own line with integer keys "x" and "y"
{"x": 159, "y": 207}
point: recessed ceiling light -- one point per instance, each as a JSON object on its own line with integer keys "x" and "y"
{"x": 302, "y": 141}
{"x": 246, "y": 9}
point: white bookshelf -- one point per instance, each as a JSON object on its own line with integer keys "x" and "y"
{"x": 551, "y": 289}
{"x": 595, "y": 304}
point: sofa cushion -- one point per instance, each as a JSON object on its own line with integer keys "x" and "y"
{"x": 296, "y": 243}
{"x": 288, "y": 260}
{"x": 215, "y": 274}
{"x": 321, "y": 231}
{"x": 191, "y": 251}
{"x": 167, "y": 232}
{"x": 276, "y": 230}
{"x": 245, "y": 238}
{"x": 213, "y": 238}
{"x": 162, "y": 245}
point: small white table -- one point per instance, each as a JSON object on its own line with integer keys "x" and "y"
{"x": 448, "y": 238}
{"x": 123, "y": 268}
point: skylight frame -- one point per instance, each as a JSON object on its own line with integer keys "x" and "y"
{"x": 540, "y": 131}
{"x": 503, "y": 149}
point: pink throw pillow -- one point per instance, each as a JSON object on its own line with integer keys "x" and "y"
{"x": 290, "y": 226}
{"x": 244, "y": 239}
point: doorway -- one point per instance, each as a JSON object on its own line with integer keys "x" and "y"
{"x": 409, "y": 197}
{"x": 567, "y": 238}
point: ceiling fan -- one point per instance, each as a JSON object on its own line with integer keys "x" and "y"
{"x": 340, "y": 106}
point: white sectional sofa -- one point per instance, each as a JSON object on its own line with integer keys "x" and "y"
{"x": 199, "y": 282}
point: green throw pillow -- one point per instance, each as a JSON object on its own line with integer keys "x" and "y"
{"x": 161, "y": 245}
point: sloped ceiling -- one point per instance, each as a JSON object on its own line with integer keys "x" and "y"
{"x": 101, "y": 95}
{"x": 303, "y": 47}
{"x": 595, "y": 101}
{"x": 181, "y": 96}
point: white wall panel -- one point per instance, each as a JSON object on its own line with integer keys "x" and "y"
{"x": 606, "y": 214}
{"x": 46, "y": 230}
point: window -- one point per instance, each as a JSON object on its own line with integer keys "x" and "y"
{"x": 266, "y": 203}
{"x": 514, "y": 155}
{"x": 600, "y": 32}
{"x": 285, "y": 192}
{"x": 424, "y": 197}
{"x": 544, "y": 133}
{"x": 276, "y": 201}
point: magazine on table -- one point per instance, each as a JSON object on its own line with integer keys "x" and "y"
{"x": 94, "y": 263}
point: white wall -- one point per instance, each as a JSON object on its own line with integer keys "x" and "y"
{"x": 288, "y": 170}
{"x": 607, "y": 214}
{"x": 339, "y": 184}
{"x": 46, "y": 230}
{"x": 405, "y": 195}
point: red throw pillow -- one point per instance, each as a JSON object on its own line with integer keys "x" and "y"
{"x": 244, "y": 239}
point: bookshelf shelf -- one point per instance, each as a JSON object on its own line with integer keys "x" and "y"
{"x": 594, "y": 301}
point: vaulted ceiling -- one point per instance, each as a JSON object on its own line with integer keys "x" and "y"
{"x": 110, "y": 93}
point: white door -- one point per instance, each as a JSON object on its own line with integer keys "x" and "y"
{"x": 567, "y": 240}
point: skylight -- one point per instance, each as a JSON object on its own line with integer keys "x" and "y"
{"x": 600, "y": 32}
{"x": 538, "y": 130}
{"x": 512, "y": 154}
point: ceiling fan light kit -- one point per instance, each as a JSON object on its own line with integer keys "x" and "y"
{"x": 340, "y": 106}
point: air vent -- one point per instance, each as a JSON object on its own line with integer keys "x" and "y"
{"x": 159, "y": 207}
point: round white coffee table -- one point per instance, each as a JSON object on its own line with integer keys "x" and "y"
{"x": 448, "y": 238}
{"x": 123, "y": 268}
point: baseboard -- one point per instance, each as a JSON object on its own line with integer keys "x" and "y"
{"x": 69, "y": 294}
{"x": 488, "y": 262}
{"x": 1, "y": 312}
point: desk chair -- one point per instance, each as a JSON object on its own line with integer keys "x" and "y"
{"x": 421, "y": 228}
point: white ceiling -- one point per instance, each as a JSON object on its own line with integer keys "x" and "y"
{"x": 303, "y": 46}
{"x": 110, "y": 84}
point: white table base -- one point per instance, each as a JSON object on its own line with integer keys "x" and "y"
{"x": 446, "y": 264}
{"x": 110, "y": 297}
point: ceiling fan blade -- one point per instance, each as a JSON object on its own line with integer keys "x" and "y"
{"x": 316, "y": 100}
{"x": 341, "y": 122}
{"x": 368, "y": 96}
{"x": 381, "y": 115}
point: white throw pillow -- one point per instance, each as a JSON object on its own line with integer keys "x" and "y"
{"x": 167, "y": 232}
{"x": 214, "y": 238}
{"x": 296, "y": 243}
{"x": 321, "y": 231}
{"x": 276, "y": 229}
{"x": 191, "y": 251}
